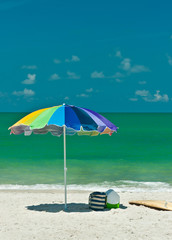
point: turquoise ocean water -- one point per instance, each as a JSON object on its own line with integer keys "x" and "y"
{"x": 137, "y": 158}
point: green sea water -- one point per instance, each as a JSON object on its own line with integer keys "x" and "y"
{"x": 140, "y": 153}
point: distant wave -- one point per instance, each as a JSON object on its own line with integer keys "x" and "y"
{"x": 119, "y": 186}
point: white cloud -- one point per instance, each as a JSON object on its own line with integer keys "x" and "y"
{"x": 30, "y": 79}
{"x": 133, "y": 99}
{"x": 126, "y": 64}
{"x": 29, "y": 67}
{"x": 89, "y": 90}
{"x": 157, "y": 97}
{"x": 54, "y": 76}
{"x": 72, "y": 75}
{"x": 142, "y": 82}
{"x": 118, "y": 75}
{"x": 139, "y": 68}
{"x": 26, "y": 93}
{"x": 88, "y": 93}
{"x": 73, "y": 59}
{"x": 142, "y": 93}
{"x": 97, "y": 75}
{"x": 169, "y": 59}
{"x": 118, "y": 80}
{"x": 118, "y": 54}
{"x": 148, "y": 97}
{"x": 57, "y": 61}
{"x": 66, "y": 98}
{"x": 82, "y": 95}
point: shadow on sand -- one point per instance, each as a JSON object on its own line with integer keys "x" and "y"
{"x": 121, "y": 206}
{"x": 55, "y": 207}
{"x": 71, "y": 207}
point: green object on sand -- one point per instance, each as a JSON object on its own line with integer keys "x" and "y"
{"x": 113, "y": 199}
{"x": 108, "y": 205}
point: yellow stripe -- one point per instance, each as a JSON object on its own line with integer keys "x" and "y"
{"x": 88, "y": 133}
{"x": 30, "y": 117}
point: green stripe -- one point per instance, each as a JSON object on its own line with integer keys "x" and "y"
{"x": 43, "y": 118}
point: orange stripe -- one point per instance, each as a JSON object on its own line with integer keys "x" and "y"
{"x": 107, "y": 131}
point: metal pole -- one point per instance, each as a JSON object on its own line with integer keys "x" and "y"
{"x": 65, "y": 169}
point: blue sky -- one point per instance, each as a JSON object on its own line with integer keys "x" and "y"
{"x": 113, "y": 56}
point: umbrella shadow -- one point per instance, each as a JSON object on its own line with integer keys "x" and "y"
{"x": 71, "y": 207}
{"x": 55, "y": 207}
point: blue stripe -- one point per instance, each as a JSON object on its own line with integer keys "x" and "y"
{"x": 93, "y": 200}
{"x": 86, "y": 121}
{"x": 58, "y": 117}
{"x": 101, "y": 197}
{"x": 71, "y": 119}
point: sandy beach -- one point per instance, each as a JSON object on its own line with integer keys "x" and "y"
{"x": 38, "y": 214}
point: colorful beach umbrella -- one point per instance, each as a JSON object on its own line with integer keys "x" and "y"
{"x": 64, "y": 119}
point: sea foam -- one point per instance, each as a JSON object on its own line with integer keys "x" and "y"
{"x": 119, "y": 186}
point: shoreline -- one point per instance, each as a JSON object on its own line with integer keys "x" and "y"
{"x": 60, "y": 191}
{"x": 39, "y": 214}
{"x": 118, "y": 186}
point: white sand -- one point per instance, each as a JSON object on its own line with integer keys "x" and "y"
{"x": 27, "y": 215}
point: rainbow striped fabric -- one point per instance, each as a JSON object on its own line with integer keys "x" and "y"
{"x": 76, "y": 120}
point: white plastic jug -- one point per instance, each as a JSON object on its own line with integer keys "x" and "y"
{"x": 112, "y": 197}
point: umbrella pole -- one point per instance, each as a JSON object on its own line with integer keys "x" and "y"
{"x": 65, "y": 169}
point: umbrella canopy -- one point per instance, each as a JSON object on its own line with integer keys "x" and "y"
{"x": 76, "y": 120}
{"x": 64, "y": 119}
